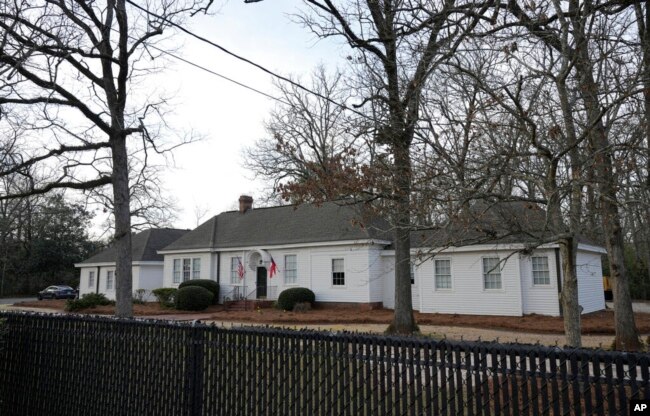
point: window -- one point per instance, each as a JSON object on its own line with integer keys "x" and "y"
{"x": 109, "y": 280}
{"x": 91, "y": 279}
{"x": 186, "y": 269}
{"x": 196, "y": 268}
{"x": 491, "y": 273}
{"x": 442, "y": 273}
{"x": 412, "y": 273}
{"x": 290, "y": 269}
{"x": 541, "y": 275}
{"x": 177, "y": 270}
{"x": 234, "y": 270}
{"x": 338, "y": 272}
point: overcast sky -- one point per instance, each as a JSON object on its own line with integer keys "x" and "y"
{"x": 209, "y": 173}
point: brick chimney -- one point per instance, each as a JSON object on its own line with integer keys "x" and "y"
{"x": 245, "y": 203}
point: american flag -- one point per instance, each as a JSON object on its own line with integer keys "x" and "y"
{"x": 240, "y": 269}
{"x": 274, "y": 268}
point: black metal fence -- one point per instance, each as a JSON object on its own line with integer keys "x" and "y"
{"x": 69, "y": 365}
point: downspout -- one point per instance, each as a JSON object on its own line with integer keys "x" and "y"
{"x": 219, "y": 270}
{"x": 558, "y": 272}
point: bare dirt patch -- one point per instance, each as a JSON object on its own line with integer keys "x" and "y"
{"x": 146, "y": 309}
{"x": 597, "y": 323}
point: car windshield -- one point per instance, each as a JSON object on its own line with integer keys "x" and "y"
{"x": 65, "y": 288}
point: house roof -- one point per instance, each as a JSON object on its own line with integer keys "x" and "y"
{"x": 494, "y": 223}
{"x": 145, "y": 246}
{"x": 288, "y": 224}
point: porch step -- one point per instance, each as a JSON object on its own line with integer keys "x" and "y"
{"x": 235, "y": 305}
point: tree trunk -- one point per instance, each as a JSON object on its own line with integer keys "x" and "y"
{"x": 571, "y": 309}
{"x": 403, "y": 320}
{"x": 627, "y": 337}
{"x": 122, "y": 212}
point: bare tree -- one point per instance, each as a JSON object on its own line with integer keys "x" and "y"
{"x": 310, "y": 137}
{"x": 572, "y": 32}
{"x": 68, "y": 68}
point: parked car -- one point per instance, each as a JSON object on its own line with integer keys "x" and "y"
{"x": 57, "y": 292}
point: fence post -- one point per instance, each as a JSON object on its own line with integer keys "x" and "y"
{"x": 196, "y": 368}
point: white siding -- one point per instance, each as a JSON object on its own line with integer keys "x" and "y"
{"x": 590, "y": 281}
{"x": 388, "y": 279}
{"x": 168, "y": 272}
{"x": 314, "y": 272}
{"x": 388, "y": 282}
{"x": 83, "y": 280}
{"x": 467, "y": 295}
{"x": 540, "y": 299}
{"x": 376, "y": 274}
{"x": 102, "y": 282}
{"x": 149, "y": 277}
{"x": 103, "y": 271}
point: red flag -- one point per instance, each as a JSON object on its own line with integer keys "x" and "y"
{"x": 274, "y": 268}
{"x": 240, "y": 269}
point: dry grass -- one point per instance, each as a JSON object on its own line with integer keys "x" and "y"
{"x": 597, "y": 323}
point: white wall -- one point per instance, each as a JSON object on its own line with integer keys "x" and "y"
{"x": 540, "y": 299}
{"x": 314, "y": 272}
{"x": 84, "y": 280}
{"x": 376, "y": 274}
{"x": 590, "y": 281}
{"x": 168, "y": 272}
{"x": 150, "y": 276}
{"x": 146, "y": 276}
{"x": 467, "y": 295}
{"x": 388, "y": 282}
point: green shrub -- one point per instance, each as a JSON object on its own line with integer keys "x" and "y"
{"x": 193, "y": 298}
{"x": 140, "y": 296}
{"x": 211, "y": 285}
{"x": 165, "y": 295}
{"x": 289, "y": 297}
{"x": 89, "y": 300}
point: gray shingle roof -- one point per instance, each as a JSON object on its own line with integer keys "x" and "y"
{"x": 283, "y": 225}
{"x": 145, "y": 246}
{"x": 489, "y": 223}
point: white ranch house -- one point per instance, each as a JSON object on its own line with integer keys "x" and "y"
{"x": 321, "y": 248}
{"x": 98, "y": 271}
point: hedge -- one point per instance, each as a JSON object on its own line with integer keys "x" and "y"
{"x": 289, "y": 297}
{"x": 211, "y": 285}
{"x": 193, "y": 298}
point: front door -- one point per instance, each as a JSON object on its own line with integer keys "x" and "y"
{"x": 261, "y": 282}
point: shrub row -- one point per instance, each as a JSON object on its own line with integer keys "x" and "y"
{"x": 192, "y": 295}
{"x": 89, "y": 300}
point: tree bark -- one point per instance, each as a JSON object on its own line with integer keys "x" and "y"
{"x": 627, "y": 337}
{"x": 403, "y": 320}
{"x": 121, "y": 197}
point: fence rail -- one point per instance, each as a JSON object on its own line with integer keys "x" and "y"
{"x": 70, "y": 365}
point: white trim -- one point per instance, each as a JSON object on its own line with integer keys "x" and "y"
{"x": 112, "y": 264}
{"x": 280, "y": 246}
{"x": 532, "y": 272}
{"x": 451, "y": 275}
{"x": 431, "y": 251}
{"x": 594, "y": 249}
{"x": 500, "y": 262}
{"x": 192, "y": 250}
{"x": 345, "y": 280}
